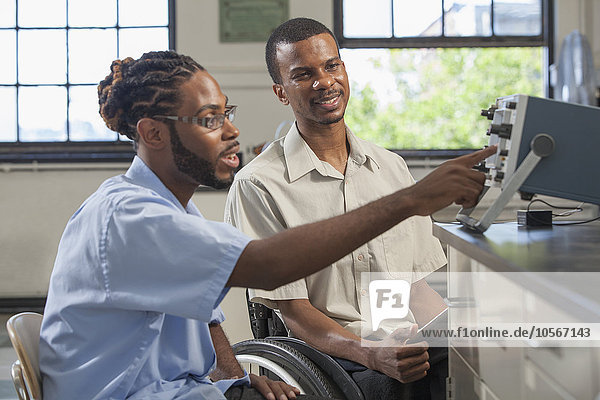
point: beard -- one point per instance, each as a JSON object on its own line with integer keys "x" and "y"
{"x": 199, "y": 169}
{"x": 329, "y": 121}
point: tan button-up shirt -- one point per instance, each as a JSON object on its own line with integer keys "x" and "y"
{"x": 287, "y": 185}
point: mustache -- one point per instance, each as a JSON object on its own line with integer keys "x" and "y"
{"x": 231, "y": 146}
{"x": 331, "y": 93}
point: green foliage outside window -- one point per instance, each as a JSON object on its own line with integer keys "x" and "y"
{"x": 439, "y": 94}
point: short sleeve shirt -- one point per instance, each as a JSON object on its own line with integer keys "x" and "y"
{"x": 287, "y": 185}
{"x": 137, "y": 279}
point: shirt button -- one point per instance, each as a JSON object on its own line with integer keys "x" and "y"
{"x": 360, "y": 257}
{"x": 363, "y": 292}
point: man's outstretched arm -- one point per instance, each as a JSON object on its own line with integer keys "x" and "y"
{"x": 298, "y": 252}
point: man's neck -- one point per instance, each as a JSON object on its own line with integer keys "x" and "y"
{"x": 328, "y": 142}
{"x": 169, "y": 176}
{"x": 182, "y": 193}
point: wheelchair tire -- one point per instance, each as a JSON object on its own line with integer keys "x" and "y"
{"x": 309, "y": 377}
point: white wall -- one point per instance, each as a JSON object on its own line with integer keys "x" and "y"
{"x": 240, "y": 68}
{"x": 583, "y": 15}
{"x": 36, "y": 202}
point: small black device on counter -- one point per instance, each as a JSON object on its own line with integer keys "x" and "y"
{"x": 534, "y": 217}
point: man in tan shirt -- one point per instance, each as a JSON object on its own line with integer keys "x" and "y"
{"x": 321, "y": 169}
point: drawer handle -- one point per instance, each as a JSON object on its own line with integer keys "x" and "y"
{"x": 538, "y": 346}
{"x": 460, "y": 302}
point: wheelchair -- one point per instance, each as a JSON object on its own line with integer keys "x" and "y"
{"x": 273, "y": 354}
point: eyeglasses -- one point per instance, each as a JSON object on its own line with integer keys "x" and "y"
{"x": 212, "y": 123}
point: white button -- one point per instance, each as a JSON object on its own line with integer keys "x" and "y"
{"x": 363, "y": 292}
{"x": 360, "y": 257}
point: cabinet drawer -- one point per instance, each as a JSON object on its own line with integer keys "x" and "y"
{"x": 540, "y": 386}
{"x": 479, "y": 297}
{"x": 572, "y": 368}
{"x": 464, "y": 383}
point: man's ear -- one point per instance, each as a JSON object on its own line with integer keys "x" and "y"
{"x": 152, "y": 133}
{"x": 280, "y": 93}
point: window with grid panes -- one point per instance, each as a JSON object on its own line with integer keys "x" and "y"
{"x": 54, "y": 54}
{"x": 420, "y": 71}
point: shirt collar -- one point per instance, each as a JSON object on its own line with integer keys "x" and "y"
{"x": 300, "y": 159}
{"x": 359, "y": 153}
{"x": 140, "y": 174}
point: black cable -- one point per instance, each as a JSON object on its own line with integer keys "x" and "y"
{"x": 502, "y": 221}
{"x": 576, "y": 209}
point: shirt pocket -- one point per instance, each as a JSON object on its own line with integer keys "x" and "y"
{"x": 398, "y": 246}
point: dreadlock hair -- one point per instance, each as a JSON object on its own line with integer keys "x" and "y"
{"x": 140, "y": 88}
{"x": 291, "y": 31}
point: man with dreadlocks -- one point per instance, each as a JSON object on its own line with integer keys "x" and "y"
{"x": 133, "y": 304}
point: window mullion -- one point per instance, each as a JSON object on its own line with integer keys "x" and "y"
{"x": 443, "y": 19}
{"x": 172, "y": 37}
{"x": 68, "y": 127}
{"x": 492, "y": 19}
{"x": 392, "y": 18}
{"x": 17, "y": 90}
{"x": 118, "y": 27}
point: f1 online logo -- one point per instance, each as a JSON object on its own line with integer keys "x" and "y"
{"x": 389, "y": 300}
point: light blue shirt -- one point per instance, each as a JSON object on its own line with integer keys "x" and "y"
{"x": 137, "y": 280}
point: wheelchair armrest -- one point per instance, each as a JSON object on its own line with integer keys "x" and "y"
{"x": 264, "y": 321}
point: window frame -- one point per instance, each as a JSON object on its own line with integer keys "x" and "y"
{"x": 75, "y": 151}
{"x": 545, "y": 40}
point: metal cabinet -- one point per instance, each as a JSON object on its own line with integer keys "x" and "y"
{"x": 505, "y": 276}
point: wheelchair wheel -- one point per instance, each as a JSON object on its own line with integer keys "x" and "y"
{"x": 281, "y": 362}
